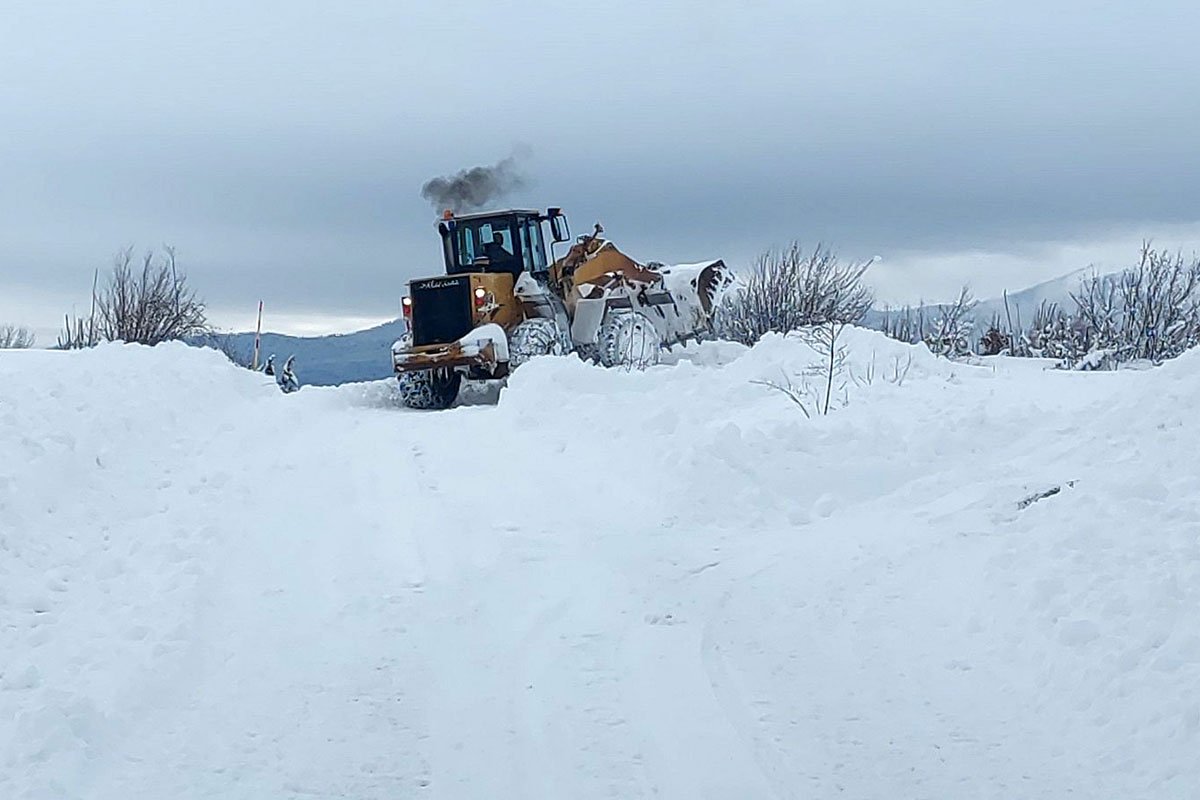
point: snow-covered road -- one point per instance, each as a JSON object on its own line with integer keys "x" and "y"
{"x": 668, "y": 584}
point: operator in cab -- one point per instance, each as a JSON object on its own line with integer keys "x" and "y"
{"x": 498, "y": 256}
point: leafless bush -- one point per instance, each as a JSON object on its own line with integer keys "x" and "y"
{"x": 799, "y": 393}
{"x": 13, "y": 337}
{"x": 1059, "y": 335}
{"x": 945, "y": 329}
{"x": 824, "y": 339}
{"x": 813, "y": 389}
{"x": 996, "y": 340}
{"x": 900, "y": 368}
{"x": 950, "y": 334}
{"x": 907, "y": 324}
{"x": 149, "y": 305}
{"x": 78, "y": 333}
{"x": 1151, "y": 311}
{"x": 1148, "y": 312}
{"x": 789, "y": 290}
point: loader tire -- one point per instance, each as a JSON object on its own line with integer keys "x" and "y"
{"x": 532, "y": 338}
{"x": 629, "y": 341}
{"x": 429, "y": 390}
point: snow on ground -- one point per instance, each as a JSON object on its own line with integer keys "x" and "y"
{"x": 665, "y": 584}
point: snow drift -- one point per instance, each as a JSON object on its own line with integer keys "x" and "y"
{"x": 977, "y": 581}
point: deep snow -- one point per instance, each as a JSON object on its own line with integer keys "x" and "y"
{"x": 611, "y": 584}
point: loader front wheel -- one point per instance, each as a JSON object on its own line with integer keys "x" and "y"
{"x": 532, "y": 338}
{"x": 628, "y": 340}
{"x": 429, "y": 390}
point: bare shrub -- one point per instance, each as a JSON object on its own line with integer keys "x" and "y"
{"x": 791, "y": 289}
{"x": 78, "y": 333}
{"x": 1052, "y": 333}
{"x": 799, "y": 393}
{"x": 945, "y": 329}
{"x": 900, "y": 368}
{"x": 824, "y": 339}
{"x": 996, "y": 340}
{"x": 1151, "y": 311}
{"x": 869, "y": 373}
{"x": 907, "y": 324}
{"x": 813, "y": 389}
{"x": 14, "y": 337}
{"x": 950, "y": 334}
{"x": 149, "y": 305}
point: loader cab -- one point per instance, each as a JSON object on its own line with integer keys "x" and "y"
{"x": 511, "y": 241}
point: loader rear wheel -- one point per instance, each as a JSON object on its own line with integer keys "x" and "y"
{"x": 429, "y": 390}
{"x": 532, "y": 338}
{"x": 629, "y": 341}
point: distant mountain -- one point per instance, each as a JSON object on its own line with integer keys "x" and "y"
{"x": 330, "y": 360}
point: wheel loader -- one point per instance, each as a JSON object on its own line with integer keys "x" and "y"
{"x": 501, "y": 302}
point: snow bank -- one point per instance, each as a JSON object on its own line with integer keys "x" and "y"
{"x": 668, "y": 583}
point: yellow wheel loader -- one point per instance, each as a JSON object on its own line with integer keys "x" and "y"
{"x": 501, "y": 302}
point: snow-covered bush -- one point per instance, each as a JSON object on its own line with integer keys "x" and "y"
{"x": 907, "y": 324}
{"x": 996, "y": 340}
{"x": 812, "y": 390}
{"x": 13, "y": 337}
{"x": 1053, "y": 334}
{"x": 819, "y": 369}
{"x": 945, "y": 329}
{"x": 1150, "y": 312}
{"x": 791, "y": 289}
{"x": 950, "y": 334}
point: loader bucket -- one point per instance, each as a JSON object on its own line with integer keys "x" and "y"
{"x": 678, "y": 301}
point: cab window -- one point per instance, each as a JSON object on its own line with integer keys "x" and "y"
{"x": 467, "y": 248}
{"x": 494, "y": 239}
{"x": 532, "y": 247}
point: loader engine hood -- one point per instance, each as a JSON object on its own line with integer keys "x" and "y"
{"x": 441, "y": 309}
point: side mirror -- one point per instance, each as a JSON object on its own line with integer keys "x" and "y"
{"x": 559, "y": 228}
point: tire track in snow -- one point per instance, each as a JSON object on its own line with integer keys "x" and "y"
{"x": 669, "y": 691}
{"x": 482, "y": 645}
{"x": 733, "y": 703}
{"x": 298, "y": 691}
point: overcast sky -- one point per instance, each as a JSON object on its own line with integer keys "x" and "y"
{"x": 281, "y": 146}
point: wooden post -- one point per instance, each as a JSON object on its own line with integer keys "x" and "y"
{"x": 257, "y": 336}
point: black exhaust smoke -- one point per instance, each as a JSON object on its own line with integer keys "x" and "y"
{"x": 475, "y": 188}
